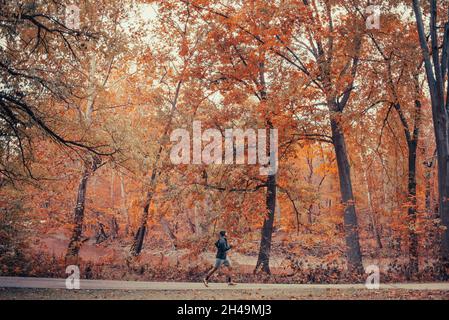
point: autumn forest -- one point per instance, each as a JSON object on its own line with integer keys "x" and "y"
{"x": 95, "y": 94}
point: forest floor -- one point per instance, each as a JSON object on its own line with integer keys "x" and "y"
{"x": 44, "y": 288}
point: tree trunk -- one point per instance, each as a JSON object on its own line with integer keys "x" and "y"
{"x": 124, "y": 210}
{"x": 263, "y": 259}
{"x": 277, "y": 223}
{"x": 353, "y": 252}
{"x": 114, "y": 227}
{"x": 428, "y": 176}
{"x": 137, "y": 246}
{"x": 112, "y": 188}
{"x": 436, "y": 70}
{"x": 372, "y": 212}
{"x": 309, "y": 214}
{"x": 412, "y": 143}
{"x": 443, "y": 188}
{"x": 169, "y": 231}
{"x": 413, "y": 237}
{"x": 75, "y": 240}
{"x": 100, "y": 234}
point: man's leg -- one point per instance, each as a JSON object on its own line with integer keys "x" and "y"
{"x": 211, "y": 272}
{"x": 229, "y": 273}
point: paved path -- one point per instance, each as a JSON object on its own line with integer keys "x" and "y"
{"x": 49, "y": 283}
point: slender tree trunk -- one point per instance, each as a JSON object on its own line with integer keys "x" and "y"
{"x": 372, "y": 212}
{"x": 114, "y": 227}
{"x": 196, "y": 218}
{"x": 428, "y": 200}
{"x": 263, "y": 259}
{"x": 309, "y": 214}
{"x": 412, "y": 139}
{"x": 169, "y": 231}
{"x": 353, "y": 252}
{"x": 75, "y": 240}
{"x": 413, "y": 237}
{"x": 100, "y": 233}
{"x": 112, "y": 187}
{"x": 137, "y": 245}
{"x": 124, "y": 210}
{"x": 428, "y": 176}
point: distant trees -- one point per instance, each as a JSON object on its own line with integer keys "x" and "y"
{"x": 46, "y": 92}
{"x": 294, "y": 33}
{"x": 403, "y": 96}
{"x": 348, "y": 103}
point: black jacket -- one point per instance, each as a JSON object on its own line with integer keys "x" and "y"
{"x": 222, "y": 248}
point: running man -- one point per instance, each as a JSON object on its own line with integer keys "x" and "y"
{"x": 222, "y": 249}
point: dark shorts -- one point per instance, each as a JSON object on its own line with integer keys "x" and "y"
{"x": 219, "y": 262}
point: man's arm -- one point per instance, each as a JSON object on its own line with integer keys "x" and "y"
{"x": 227, "y": 246}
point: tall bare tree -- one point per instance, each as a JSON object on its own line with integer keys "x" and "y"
{"x": 436, "y": 64}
